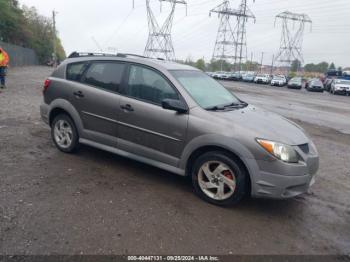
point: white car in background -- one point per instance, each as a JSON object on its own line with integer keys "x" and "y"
{"x": 278, "y": 81}
{"x": 220, "y": 75}
{"x": 341, "y": 87}
{"x": 262, "y": 79}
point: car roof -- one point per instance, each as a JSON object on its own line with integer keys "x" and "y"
{"x": 153, "y": 62}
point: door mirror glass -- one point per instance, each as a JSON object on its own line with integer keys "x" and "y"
{"x": 175, "y": 105}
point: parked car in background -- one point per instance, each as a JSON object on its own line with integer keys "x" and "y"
{"x": 219, "y": 75}
{"x": 328, "y": 84}
{"x": 211, "y": 74}
{"x": 177, "y": 118}
{"x": 315, "y": 85}
{"x": 341, "y": 87}
{"x": 248, "y": 77}
{"x": 236, "y": 76}
{"x": 278, "y": 81}
{"x": 296, "y": 83}
{"x": 262, "y": 79}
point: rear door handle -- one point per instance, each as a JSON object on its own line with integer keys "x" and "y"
{"x": 127, "y": 108}
{"x": 78, "y": 94}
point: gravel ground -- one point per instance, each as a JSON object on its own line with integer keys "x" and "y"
{"x": 94, "y": 202}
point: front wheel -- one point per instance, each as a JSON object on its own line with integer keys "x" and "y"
{"x": 64, "y": 133}
{"x": 219, "y": 179}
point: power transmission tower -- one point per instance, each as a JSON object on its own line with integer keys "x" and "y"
{"x": 159, "y": 43}
{"x": 231, "y": 42}
{"x": 293, "y": 26}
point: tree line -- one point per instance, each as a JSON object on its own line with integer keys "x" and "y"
{"x": 25, "y": 27}
{"x": 221, "y": 65}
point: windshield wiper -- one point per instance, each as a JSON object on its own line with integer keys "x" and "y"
{"x": 236, "y": 105}
{"x": 215, "y": 108}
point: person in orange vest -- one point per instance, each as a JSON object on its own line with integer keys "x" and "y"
{"x": 4, "y": 61}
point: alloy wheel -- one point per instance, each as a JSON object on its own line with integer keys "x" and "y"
{"x": 63, "y": 133}
{"x": 216, "y": 180}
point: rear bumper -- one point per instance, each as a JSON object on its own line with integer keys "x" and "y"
{"x": 44, "y": 112}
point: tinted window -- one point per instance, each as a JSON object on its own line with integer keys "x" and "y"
{"x": 74, "y": 71}
{"x": 105, "y": 75}
{"x": 148, "y": 85}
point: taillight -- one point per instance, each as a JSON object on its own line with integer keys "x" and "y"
{"x": 46, "y": 85}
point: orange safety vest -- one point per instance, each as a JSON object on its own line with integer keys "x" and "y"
{"x": 4, "y": 58}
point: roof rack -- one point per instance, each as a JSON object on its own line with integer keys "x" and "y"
{"x": 124, "y": 55}
{"x": 85, "y": 54}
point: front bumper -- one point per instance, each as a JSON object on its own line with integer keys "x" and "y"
{"x": 294, "y": 87}
{"x": 280, "y": 180}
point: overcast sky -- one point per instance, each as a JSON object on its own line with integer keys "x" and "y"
{"x": 113, "y": 23}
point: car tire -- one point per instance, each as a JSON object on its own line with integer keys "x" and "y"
{"x": 64, "y": 133}
{"x": 231, "y": 181}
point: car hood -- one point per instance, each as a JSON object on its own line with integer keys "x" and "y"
{"x": 342, "y": 85}
{"x": 259, "y": 123}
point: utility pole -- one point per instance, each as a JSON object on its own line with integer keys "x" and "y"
{"x": 251, "y": 61}
{"x": 231, "y": 40}
{"x": 262, "y": 59}
{"x": 54, "y": 38}
{"x": 293, "y": 26}
{"x": 273, "y": 58}
{"x": 243, "y": 32}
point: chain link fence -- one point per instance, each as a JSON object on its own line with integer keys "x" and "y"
{"x": 19, "y": 56}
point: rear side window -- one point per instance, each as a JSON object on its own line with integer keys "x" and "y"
{"x": 105, "y": 75}
{"x": 147, "y": 85}
{"x": 75, "y": 71}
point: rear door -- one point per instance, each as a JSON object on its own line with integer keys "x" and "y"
{"x": 96, "y": 98}
{"x": 145, "y": 128}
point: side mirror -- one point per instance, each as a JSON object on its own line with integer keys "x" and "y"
{"x": 175, "y": 105}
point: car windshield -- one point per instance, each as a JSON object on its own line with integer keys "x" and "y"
{"x": 296, "y": 80}
{"x": 316, "y": 82}
{"x": 207, "y": 92}
{"x": 343, "y": 82}
{"x": 278, "y": 78}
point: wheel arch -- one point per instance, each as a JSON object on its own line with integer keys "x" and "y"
{"x": 229, "y": 147}
{"x": 62, "y": 106}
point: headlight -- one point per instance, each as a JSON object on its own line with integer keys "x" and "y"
{"x": 283, "y": 152}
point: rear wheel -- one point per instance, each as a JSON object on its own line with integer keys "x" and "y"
{"x": 219, "y": 179}
{"x": 64, "y": 133}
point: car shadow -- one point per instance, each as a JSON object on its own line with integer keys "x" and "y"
{"x": 156, "y": 176}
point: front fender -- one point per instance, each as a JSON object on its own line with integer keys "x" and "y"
{"x": 227, "y": 143}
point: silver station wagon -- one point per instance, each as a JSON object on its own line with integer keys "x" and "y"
{"x": 179, "y": 119}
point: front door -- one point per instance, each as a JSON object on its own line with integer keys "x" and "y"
{"x": 145, "y": 128}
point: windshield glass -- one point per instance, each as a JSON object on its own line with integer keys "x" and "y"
{"x": 204, "y": 90}
{"x": 343, "y": 82}
{"x": 296, "y": 80}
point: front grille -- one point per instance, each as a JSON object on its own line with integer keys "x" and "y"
{"x": 305, "y": 148}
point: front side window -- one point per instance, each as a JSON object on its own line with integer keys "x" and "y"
{"x": 147, "y": 85}
{"x": 105, "y": 75}
{"x": 204, "y": 90}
